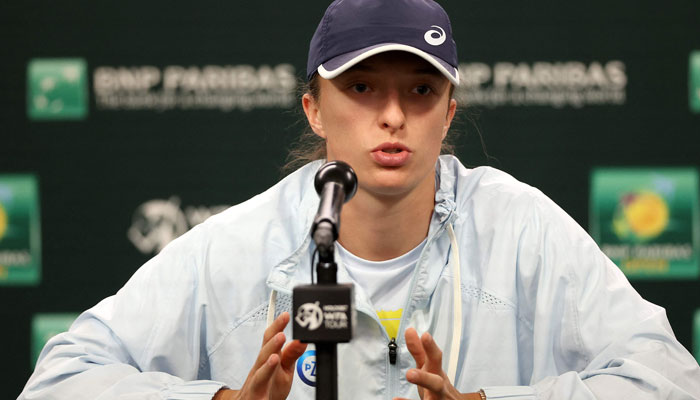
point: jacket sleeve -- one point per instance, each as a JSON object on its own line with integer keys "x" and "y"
{"x": 146, "y": 342}
{"x": 603, "y": 339}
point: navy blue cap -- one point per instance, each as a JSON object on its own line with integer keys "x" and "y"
{"x": 353, "y": 30}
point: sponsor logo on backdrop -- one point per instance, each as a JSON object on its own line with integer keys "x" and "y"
{"x": 46, "y": 326}
{"x": 210, "y": 87}
{"x": 552, "y": 84}
{"x": 57, "y": 89}
{"x": 694, "y": 81}
{"x": 158, "y": 222}
{"x": 19, "y": 231}
{"x": 646, "y": 220}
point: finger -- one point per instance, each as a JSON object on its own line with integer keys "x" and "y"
{"x": 433, "y": 353}
{"x": 276, "y": 326}
{"x": 261, "y": 380}
{"x": 415, "y": 347}
{"x": 273, "y": 346}
{"x": 291, "y": 352}
{"x": 432, "y": 382}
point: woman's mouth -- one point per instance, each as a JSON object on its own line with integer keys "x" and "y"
{"x": 391, "y": 154}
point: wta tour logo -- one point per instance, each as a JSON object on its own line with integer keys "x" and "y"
{"x": 19, "y": 231}
{"x": 694, "y": 81}
{"x": 646, "y": 220}
{"x": 57, "y": 89}
{"x": 309, "y": 316}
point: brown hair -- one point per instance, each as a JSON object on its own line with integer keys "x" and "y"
{"x": 310, "y": 147}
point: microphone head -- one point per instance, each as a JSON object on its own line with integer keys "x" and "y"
{"x": 339, "y": 172}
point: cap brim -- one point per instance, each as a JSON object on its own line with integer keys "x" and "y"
{"x": 337, "y": 65}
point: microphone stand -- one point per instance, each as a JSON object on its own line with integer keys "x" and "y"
{"x": 324, "y": 312}
{"x": 326, "y": 352}
{"x": 324, "y": 316}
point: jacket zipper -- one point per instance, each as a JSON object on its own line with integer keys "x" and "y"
{"x": 392, "y": 351}
{"x": 392, "y": 360}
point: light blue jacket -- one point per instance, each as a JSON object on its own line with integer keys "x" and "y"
{"x": 544, "y": 313}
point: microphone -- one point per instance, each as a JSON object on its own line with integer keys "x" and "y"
{"x": 336, "y": 183}
{"x": 324, "y": 313}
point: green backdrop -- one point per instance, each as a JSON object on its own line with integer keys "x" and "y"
{"x": 165, "y": 112}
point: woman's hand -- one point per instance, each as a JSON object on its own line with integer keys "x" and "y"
{"x": 432, "y": 382}
{"x": 272, "y": 374}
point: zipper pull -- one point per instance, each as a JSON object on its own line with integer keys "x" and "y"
{"x": 392, "y": 351}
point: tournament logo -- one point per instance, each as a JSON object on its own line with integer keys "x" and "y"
{"x": 640, "y": 216}
{"x": 3, "y": 221}
{"x": 306, "y": 367}
{"x": 694, "y": 81}
{"x": 20, "y": 238}
{"x": 646, "y": 220}
{"x": 57, "y": 89}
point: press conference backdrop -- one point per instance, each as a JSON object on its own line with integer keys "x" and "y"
{"x": 125, "y": 124}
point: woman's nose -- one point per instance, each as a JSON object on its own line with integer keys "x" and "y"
{"x": 392, "y": 115}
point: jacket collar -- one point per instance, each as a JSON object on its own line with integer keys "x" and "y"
{"x": 295, "y": 269}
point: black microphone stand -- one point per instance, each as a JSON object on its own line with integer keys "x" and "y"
{"x": 324, "y": 312}
{"x": 326, "y": 352}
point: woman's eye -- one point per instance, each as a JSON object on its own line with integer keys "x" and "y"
{"x": 360, "y": 87}
{"x": 422, "y": 90}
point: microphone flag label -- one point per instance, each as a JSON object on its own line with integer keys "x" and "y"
{"x": 323, "y": 313}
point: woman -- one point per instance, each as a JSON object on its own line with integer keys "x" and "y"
{"x": 511, "y": 298}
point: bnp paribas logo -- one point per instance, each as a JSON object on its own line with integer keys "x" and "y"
{"x": 57, "y": 89}
{"x": 20, "y": 238}
{"x": 694, "y": 81}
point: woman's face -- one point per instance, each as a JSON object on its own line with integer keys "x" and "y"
{"x": 386, "y": 117}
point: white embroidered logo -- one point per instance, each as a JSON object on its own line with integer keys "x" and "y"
{"x": 434, "y": 37}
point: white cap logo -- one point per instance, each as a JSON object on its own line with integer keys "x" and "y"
{"x": 433, "y": 37}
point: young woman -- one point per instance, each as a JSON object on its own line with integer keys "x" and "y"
{"x": 483, "y": 286}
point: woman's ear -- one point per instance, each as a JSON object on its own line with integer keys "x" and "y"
{"x": 451, "y": 109}
{"x": 313, "y": 114}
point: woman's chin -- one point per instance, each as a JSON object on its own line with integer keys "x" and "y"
{"x": 388, "y": 186}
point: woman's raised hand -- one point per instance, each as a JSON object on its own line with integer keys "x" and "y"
{"x": 432, "y": 382}
{"x": 273, "y": 372}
